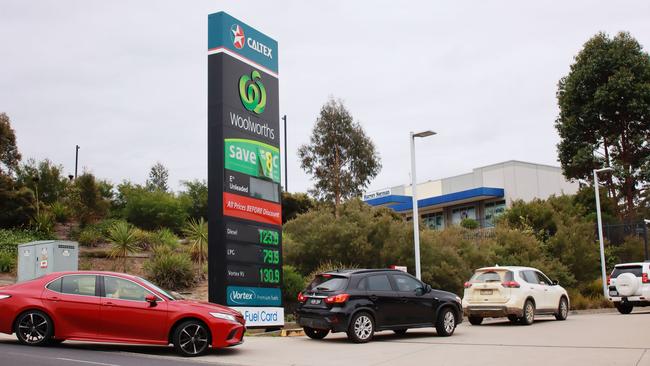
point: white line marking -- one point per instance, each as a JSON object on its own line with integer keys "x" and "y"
{"x": 86, "y": 362}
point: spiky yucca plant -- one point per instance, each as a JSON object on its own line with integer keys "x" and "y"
{"x": 124, "y": 240}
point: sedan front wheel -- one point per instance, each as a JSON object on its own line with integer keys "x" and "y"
{"x": 34, "y": 328}
{"x": 191, "y": 339}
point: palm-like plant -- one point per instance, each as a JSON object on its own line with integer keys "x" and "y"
{"x": 196, "y": 232}
{"x": 125, "y": 241}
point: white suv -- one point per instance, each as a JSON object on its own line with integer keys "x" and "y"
{"x": 518, "y": 293}
{"x": 629, "y": 286}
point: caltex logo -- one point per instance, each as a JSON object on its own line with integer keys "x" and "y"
{"x": 237, "y": 36}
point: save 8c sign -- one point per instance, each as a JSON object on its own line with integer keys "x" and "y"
{"x": 245, "y": 215}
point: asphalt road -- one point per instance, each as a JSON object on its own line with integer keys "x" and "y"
{"x": 586, "y": 339}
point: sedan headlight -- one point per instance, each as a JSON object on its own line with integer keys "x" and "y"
{"x": 2, "y": 297}
{"x": 224, "y": 317}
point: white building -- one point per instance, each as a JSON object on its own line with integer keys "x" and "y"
{"x": 480, "y": 195}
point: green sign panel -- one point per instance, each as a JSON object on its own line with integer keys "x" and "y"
{"x": 253, "y": 158}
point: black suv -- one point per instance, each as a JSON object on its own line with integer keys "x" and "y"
{"x": 363, "y": 301}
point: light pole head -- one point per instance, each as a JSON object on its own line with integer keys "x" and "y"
{"x": 423, "y": 133}
{"x": 603, "y": 170}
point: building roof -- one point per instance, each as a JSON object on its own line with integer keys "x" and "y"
{"x": 405, "y": 203}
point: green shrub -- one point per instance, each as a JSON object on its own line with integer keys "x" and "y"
{"x": 293, "y": 283}
{"x": 90, "y": 236}
{"x": 469, "y": 224}
{"x": 153, "y": 210}
{"x": 162, "y": 237}
{"x": 124, "y": 241}
{"x": 7, "y": 261}
{"x": 20, "y": 236}
{"x": 43, "y": 222}
{"x": 632, "y": 250}
{"x": 171, "y": 271}
{"x": 60, "y": 212}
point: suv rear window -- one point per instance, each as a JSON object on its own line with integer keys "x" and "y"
{"x": 491, "y": 276}
{"x": 327, "y": 282}
{"x": 635, "y": 270}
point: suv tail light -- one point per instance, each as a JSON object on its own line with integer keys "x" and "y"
{"x": 301, "y": 297}
{"x": 609, "y": 280}
{"x": 644, "y": 278}
{"x": 511, "y": 284}
{"x": 337, "y": 299}
{"x": 468, "y": 284}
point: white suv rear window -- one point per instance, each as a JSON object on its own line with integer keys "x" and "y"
{"x": 491, "y": 276}
{"x": 635, "y": 270}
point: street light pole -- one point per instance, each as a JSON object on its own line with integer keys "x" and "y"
{"x": 416, "y": 216}
{"x": 645, "y": 238}
{"x": 76, "y": 161}
{"x": 600, "y": 228}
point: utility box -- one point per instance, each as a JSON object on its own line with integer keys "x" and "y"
{"x": 39, "y": 258}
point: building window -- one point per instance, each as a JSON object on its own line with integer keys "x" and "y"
{"x": 492, "y": 211}
{"x": 434, "y": 220}
{"x": 461, "y": 213}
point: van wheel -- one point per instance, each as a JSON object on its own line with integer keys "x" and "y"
{"x": 624, "y": 307}
{"x": 362, "y": 328}
{"x": 316, "y": 333}
{"x": 562, "y": 310}
{"x": 446, "y": 323}
{"x": 529, "y": 313}
{"x": 475, "y": 320}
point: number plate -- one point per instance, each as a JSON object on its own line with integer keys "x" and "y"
{"x": 613, "y": 293}
{"x": 314, "y": 301}
{"x": 486, "y": 292}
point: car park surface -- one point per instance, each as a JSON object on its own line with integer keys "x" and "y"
{"x": 592, "y": 339}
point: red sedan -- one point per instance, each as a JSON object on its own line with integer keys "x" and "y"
{"x": 114, "y": 307}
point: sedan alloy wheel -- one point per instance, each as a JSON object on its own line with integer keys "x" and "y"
{"x": 34, "y": 328}
{"x": 191, "y": 339}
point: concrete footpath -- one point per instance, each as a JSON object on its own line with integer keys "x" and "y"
{"x": 587, "y": 339}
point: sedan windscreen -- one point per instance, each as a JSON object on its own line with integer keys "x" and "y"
{"x": 327, "y": 283}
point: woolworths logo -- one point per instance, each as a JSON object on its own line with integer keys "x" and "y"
{"x": 252, "y": 92}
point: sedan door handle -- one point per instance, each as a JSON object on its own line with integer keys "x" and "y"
{"x": 108, "y": 304}
{"x": 53, "y": 298}
{"x": 404, "y": 299}
{"x": 373, "y": 297}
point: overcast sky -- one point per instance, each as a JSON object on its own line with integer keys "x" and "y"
{"x": 126, "y": 80}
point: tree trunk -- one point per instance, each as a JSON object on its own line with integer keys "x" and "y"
{"x": 628, "y": 180}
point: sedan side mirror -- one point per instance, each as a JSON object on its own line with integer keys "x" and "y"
{"x": 151, "y": 299}
{"x": 555, "y": 282}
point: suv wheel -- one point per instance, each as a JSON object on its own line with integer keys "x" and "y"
{"x": 316, "y": 333}
{"x": 562, "y": 310}
{"x": 362, "y": 328}
{"x": 475, "y": 320}
{"x": 446, "y": 323}
{"x": 34, "y": 328}
{"x": 529, "y": 313}
{"x": 624, "y": 307}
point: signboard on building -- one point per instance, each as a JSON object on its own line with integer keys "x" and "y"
{"x": 245, "y": 212}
